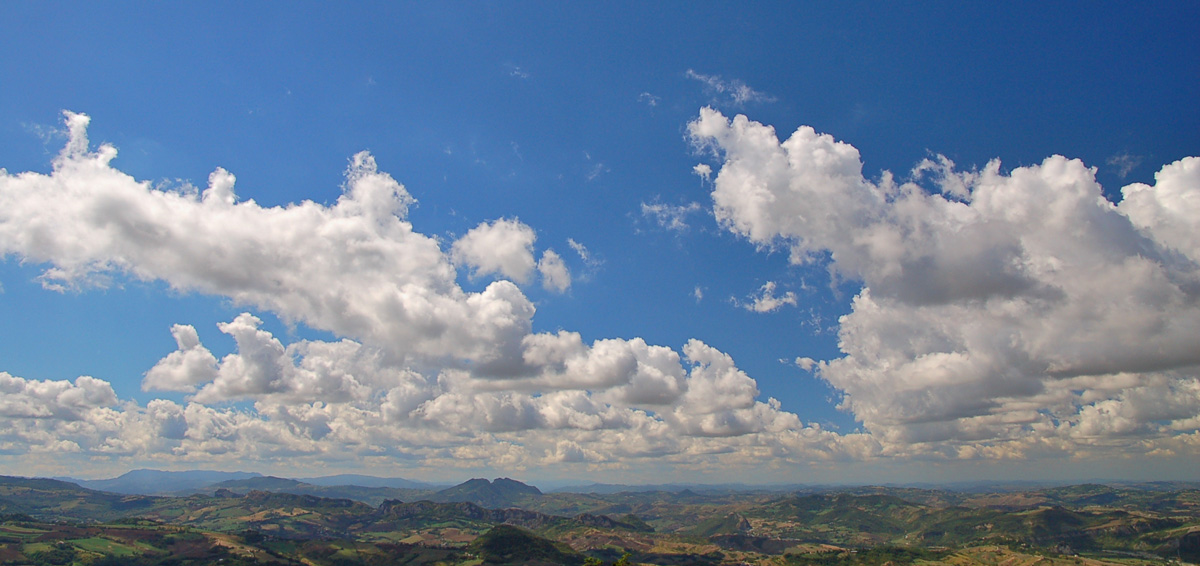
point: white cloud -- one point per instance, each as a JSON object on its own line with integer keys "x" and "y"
{"x": 316, "y": 401}
{"x": 766, "y": 300}
{"x": 427, "y": 371}
{"x": 1012, "y": 315}
{"x": 263, "y": 368}
{"x": 581, "y": 251}
{"x": 555, "y": 276}
{"x": 703, "y": 170}
{"x": 61, "y": 400}
{"x": 355, "y": 268}
{"x": 669, "y": 216}
{"x": 649, "y": 99}
{"x": 992, "y": 313}
{"x": 183, "y": 369}
{"x": 503, "y": 247}
{"x": 1169, "y": 212}
{"x": 732, "y": 91}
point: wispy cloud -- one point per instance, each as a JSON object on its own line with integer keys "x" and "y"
{"x": 517, "y": 72}
{"x": 589, "y": 259}
{"x": 732, "y": 91}
{"x": 670, "y": 216}
{"x": 1124, "y": 163}
{"x": 597, "y": 170}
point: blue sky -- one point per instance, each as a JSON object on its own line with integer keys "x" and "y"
{"x": 587, "y": 264}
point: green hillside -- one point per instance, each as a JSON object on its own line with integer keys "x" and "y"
{"x": 55, "y": 500}
{"x": 369, "y": 495}
{"x": 506, "y": 544}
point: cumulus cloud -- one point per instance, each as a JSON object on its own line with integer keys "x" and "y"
{"x": 355, "y": 268}
{"x": 555, "y": 275}
{"x": 766, "y": 300}
{"x": 610, "y": 401}
{"x": 426, "y": 371}
{"x": 1002, "y": 315}
{"x": 263, "y": 368}
{"x": 1170, "y": 210}
{"x": 996, "y": 308}
{"x": 503, "y": 247}
{"x": 183, "y": 369}
{"x": 61, "y": 400}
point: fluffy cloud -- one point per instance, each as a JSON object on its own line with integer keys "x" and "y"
{"x": 609, "y": 402}
{"x": 1003, "y": 315}
{"x": 767, "y": 301}
{"x": 426, "y": 372}
{"x": 555, "y": 275}
{"x": 183, "y": 369}
{"x": 996, "y": 307}
{"x": 1170, "y": 210}
{"x": 355, "y": 268}
{"x": 503, "y": 247}
{"x": 61, "y": 400}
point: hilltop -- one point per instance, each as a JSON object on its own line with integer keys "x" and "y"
{"x": 500, "y": 493}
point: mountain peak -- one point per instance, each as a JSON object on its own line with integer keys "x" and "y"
{"x": 498, "y": 493}
{"x": 511, "y": 484}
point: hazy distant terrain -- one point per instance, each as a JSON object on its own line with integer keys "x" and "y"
{"x": 263, "y": 520}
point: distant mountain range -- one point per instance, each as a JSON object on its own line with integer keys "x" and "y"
{"x": 369, "y": 481}
{"x": 502, "y": 492}
{"x": 158, "y": 482}
{"x": 498, "y": 494}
